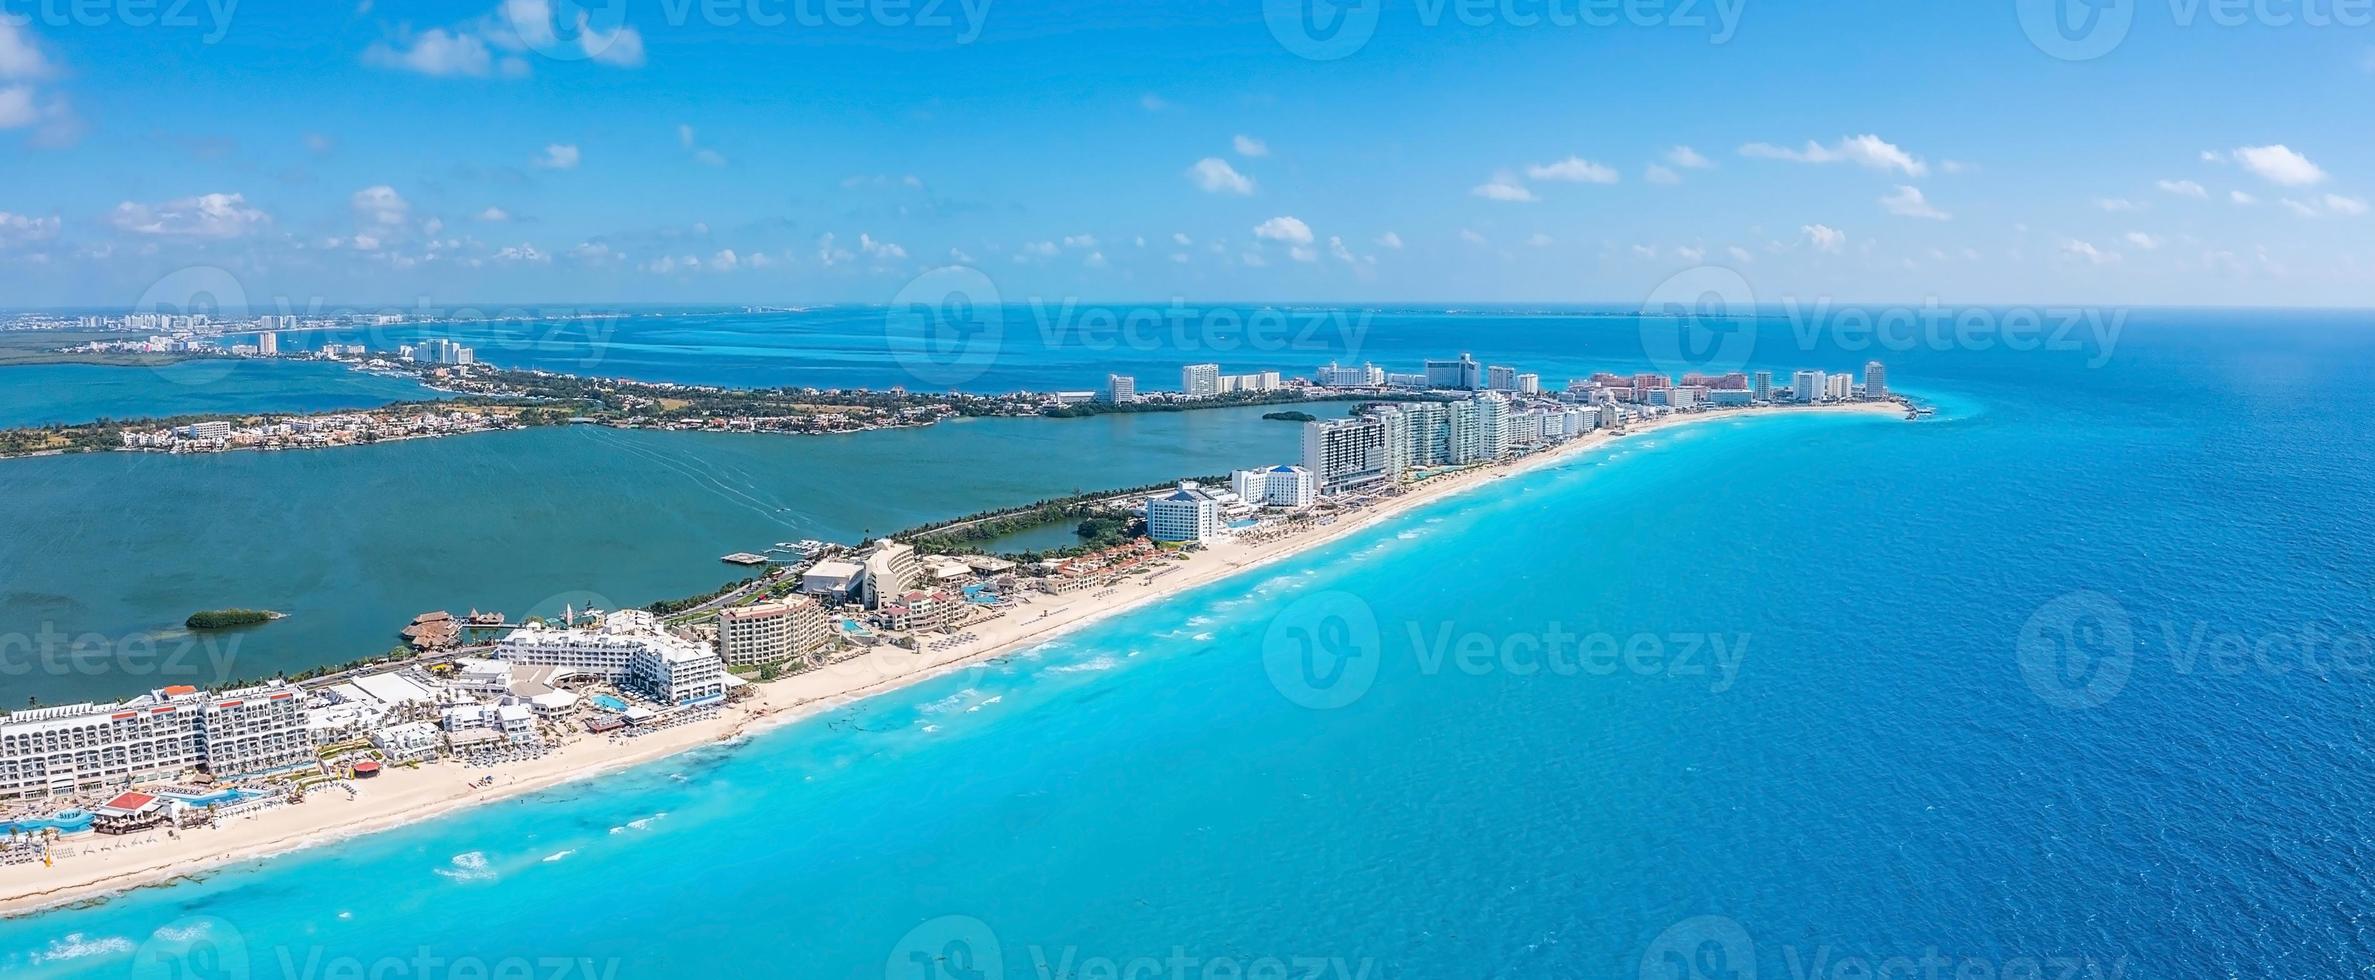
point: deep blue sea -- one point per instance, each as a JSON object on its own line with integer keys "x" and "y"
{"x": 2074, "y": 676}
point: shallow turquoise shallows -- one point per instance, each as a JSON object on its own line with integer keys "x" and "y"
{"x": 2073, "y": 675}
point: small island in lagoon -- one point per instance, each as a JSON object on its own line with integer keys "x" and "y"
{"x": 221, "y": 619}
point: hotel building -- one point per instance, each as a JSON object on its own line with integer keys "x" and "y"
{"x": 1121, "y": 388}
{"x": 1463, "y": 374}
{"x": 1806, "y": 386}
{"x": 1344, "y": 453}
{"x": 1199, "y": 380}
{"x": 87, "y": 747}
{"x": 1276, "y": 486}
{"x": 628, "y": 649}
{"x": 767, "y": 632}
{"x": 1185, "y": 514}
{"x": 1875, "y": 379}
{"x": 1365, "y": 376}
{"x": 891, "y": 568}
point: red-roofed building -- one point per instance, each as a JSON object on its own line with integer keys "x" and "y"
{"x": 129, "y": 813}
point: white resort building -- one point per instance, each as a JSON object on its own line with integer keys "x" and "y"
{"x": 82, "y": 747}
{"x": 1185, "y": 514}
{"x": 629, "y": 649}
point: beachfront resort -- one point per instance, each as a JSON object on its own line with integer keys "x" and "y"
{"x": 492, "y": 693}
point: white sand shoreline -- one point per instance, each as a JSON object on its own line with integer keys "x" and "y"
{"x": 100, "y": 867}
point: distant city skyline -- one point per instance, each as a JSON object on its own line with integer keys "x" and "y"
{"x": 693, "y": 153}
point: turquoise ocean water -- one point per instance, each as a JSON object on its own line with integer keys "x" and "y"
{"x": 2075, "y": 674}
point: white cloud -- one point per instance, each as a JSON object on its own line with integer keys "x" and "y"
{"x": 2183, "y": 188}
{"x": 558, "y": 156}
{"x": 522, "y": 252}
{"x": 1080, "y": 241}
{"x": 1470, "y": 236}
{"x": 1181, "y": 239}
{"x": 19, "y": 57}
{"x": 439, "y": 53}
{"x": 16, "y": 107}
{"x": 380, "y": 204}
{"x": 1739, "y": 254}
{"x": 2117, "y": 204}
{"x": 203, "y": 216}
{"x": 1337, "y": 248}
{"x": 1688, "y": 159}
{"x": 2345, "y": 205}
{"x": 1574, "y": 170}
{"x": 1540, "y": 240}
{"x": 494, "y": 214}
{"x": 885, "y": 251}
{"x": 2087, "y": 251}
{"x": 709, "y": 158}
{"x": 1152, "y": 102}
{"x": 1657, "y": 174}
{"x": 2142, "y": 240}
{"x": 494, "y": 43}
{"x": 595, "y": 253}
{"x": 2242, "y": 198}
{"x": 1284, "y": 228}
{"x": 1867, "y": 151}
{"x": 2303, "y": 209}
{"x": 1502, "y": 187}
{"x": 1389, "y": 240}
{"x": 16, "y": 229}
{"x": 1908, "y": 201}
{"x": 1215, "y": 176}
{"x": 2279, "y": 164}
{"x": 1824, "y": 237}
{"x": 1690, "y": 253}
{"x": 1248, "y": 146}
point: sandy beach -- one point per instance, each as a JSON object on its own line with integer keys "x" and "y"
{"x": 90, "y": 866}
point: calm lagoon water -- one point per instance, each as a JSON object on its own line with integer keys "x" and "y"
{"x": 1858, "y": 724}
{"x": 48, "y": 394}
{"x": 352, "y": 543}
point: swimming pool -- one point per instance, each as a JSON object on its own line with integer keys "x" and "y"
{"x": 216, "y": 798}
{"x": 608, "y": 703}
{"x": 64, "y": 822}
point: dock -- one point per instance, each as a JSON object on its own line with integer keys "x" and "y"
{"x": 744, "y": 558}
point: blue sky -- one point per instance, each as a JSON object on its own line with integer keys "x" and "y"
{"x": 673, "y": 150}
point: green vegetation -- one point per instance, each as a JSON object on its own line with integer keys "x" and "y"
{"x": 218, "y": 619}
{"x": 1290, "y": 416}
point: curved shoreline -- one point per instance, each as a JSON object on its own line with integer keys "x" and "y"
{"x": 400, "y": 797}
